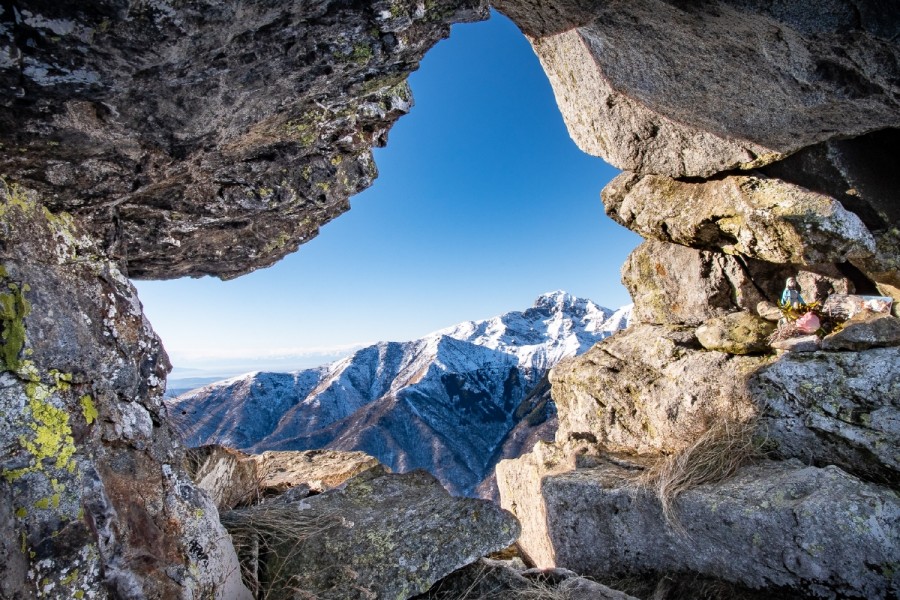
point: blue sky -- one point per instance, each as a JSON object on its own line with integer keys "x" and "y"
{"x": 483, "y": 202}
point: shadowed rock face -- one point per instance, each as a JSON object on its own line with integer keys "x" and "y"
{"x": 381, "y": 536}
{"x": 158, "y": 139}
{"x": 206, "y": 138}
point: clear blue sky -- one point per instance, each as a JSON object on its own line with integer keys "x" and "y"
{"x": 483, "y": 202}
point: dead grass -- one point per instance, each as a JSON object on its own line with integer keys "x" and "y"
{"x": 265, "y": 537}
{"x": 717, "y": 453}
{"x": 541, "y": 591}
{"x": 484, "y": 584}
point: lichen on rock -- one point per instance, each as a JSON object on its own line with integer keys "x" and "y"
{"x": 382, "y": 535}
{"x": 833, "y": 532}
{"x": 736, "y": 333}
{"x": 66, "y": 374}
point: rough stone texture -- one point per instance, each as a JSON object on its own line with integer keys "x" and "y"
{"x": 321, "y": 470}
{"x": 737, "y": 333}
{"x": 519, "y": 484}
{"x": 863, "y": 332}
{"x": 846, "y": 307}
{"x": 227, "y": 475}
{"x": 207, "y": 137}
{"x": 659, "y": 86}
{"x": 100, "y": 504}
{"x": 232, "y": 478}
{"x": 859, "y": 172}
{"x": 840, "y": 408}
{"x": 673, "y": 284}
{"x": 769, "y": 311}
{"x": 884, "y": 267}
{"x": 540, "y": 18}
{"x": 520, "y": 481}
{"x": 757, "y": 217}
{"x": 806, "y": 343}
{"x": 390, "y": 536}
{"x": 497, "y": 580}
{"x": 670, "y": 283}
{"x": 624, "y": 132}
{"x": 212, "y": 138}
{"x": 808, "y": 531}
{"x": 649, "y": 389}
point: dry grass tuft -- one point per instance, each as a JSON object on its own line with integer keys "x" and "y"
{"x": 541, "y": 591}
{"x": 265, "y": 537}
{"x": 487, "y": 584}
{"x": 715, "y": 455}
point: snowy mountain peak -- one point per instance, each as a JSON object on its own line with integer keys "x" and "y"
{"x": 444, "y": 402}
{"x": 560, "y": 301}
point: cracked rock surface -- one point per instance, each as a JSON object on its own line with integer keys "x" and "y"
{"x": 207, "y": 138}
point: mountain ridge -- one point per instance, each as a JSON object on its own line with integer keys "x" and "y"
{"x": 444, "y": 402}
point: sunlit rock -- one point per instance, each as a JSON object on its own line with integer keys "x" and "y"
{"x": 657, "y": 86}
{"x": 736, "y": 333}
{"x": 650, "y": 389}
{"x": 834, "y": 534}
{"x": 755, "y": 217}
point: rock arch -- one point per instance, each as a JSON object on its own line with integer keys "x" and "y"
{"x": 161, "y": 139}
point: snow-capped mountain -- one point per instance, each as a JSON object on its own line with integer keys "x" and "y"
{"x": 445, "y": 402}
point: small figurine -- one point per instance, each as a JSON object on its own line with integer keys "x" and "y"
{"x": 791, "y": 294}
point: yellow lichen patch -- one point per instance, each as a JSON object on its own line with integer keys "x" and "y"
{"x": 14, "y": 196}
{"x": 70, "y": 578}
{"x": 13, "y": 310}
{"x": 52, "y": 434}
{"x": 276, "y": 244}
{"x": 88, "y": 409}
{"x": 63, "y": 380}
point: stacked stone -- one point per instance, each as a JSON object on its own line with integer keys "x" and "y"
{"x": 747, "y": 159}
{"x": 164, "y": 139}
